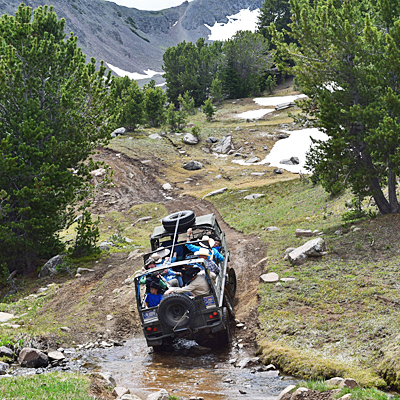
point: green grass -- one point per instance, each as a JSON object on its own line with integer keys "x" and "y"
{"x": 46, "y": 387}
{"x": 340, "y": 317}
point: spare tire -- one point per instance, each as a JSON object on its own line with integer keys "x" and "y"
{"x": 184, "y": 219}
{"x": 176, "y": 311}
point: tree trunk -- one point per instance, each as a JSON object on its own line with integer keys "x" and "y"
{"x": 394, "y": 204}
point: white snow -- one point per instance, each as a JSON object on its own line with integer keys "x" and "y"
{"x": 149, "y": 4}
{"x": 176, "y": 23}
{"x": 134, "y": 75}
{"x": 296, "y": 145}
{"x": 254, "y": 114}
{"x": 274, "y": 101}
{"x": 244, "y": 20}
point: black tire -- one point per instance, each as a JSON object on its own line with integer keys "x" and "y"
{"x": 224, "y": 337}
{"x": 185, "y": 220}
{"x": 230, "y": 283}
{"x": 176, "y": 311}
{"x": 229, "y": 305}
{"x": 158, "y": 349}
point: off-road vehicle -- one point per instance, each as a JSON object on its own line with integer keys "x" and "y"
{"x": 178, "y": 315}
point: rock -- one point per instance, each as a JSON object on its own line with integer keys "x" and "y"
{"x": 303, "y": 233}
{"x": 32, "y": 358}
{"x": 108, "y": 378}
{"x": 189, "y": 138}
{"x": 98, "y": 172}
{"x": 270, "y": 277}
{"x": 248, "y": 362}
{"x": 109, "y": 317}
{"x": 211, "y": 139}
{"x": 348, "y": 383}
{"x": 265, "y": 147}
{"x": 160, "y": 395}
{"x": 283, "y": 136}
{"x": 254, "y": 196}
{"x": 65, "y": 328}
{"x": 338, "y": 232}
{"x": 289, "y": 250}
{"x": 56, "y": 355}
{"x": 155, "y": 136}
{"x": 145, "y": 162}
{"x": 3, "y": 368}
{"x": 257, "y": 173}
{"x": 290, "y": 161}
{"x": 81, "y": 270}
{"x": 119, "y": 131}
{"x": 270, "y": 367}
{"x": 288, "y": 279}
{"x": 345, "y": 397}
{"x": 167, "y": 186}
{"x": 238, "y": 128}
{"x": 50, "y": 268}
{"x": 312, "y": 248}
{"x": 206, "y": 150}
{"x": 298, "y": 393}
{"x": 190, "y": 125}
{"x": 278, "y": 171}
{"x": 199, "y": 350}
{"x": 105, "y": 246}
{"x": 119, "y": 391}
{"x": 4, "y": 317}
{"x": 224, "y": 145}
{"x": 130, "y": 397}
{"x": 78, "y": 275}
{"x": 252, "y": 160}
{"x": 356, "y": 229}
{"x": 6, "y": 352}
{"x": 272, "y": 229}
{"x": 286, "y": 390}
{"x": 193, "y": 166}
{"x": 334, "y": 381}
{"x": 241, "y": 391}
{"x": 215, "y": 192}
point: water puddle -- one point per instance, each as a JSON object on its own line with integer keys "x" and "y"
{"x": 211, "y": 376}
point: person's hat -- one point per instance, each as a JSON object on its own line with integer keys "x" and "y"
{"x": 191, "y": 273}
{"x": 155, "y": 285}
{"x": 149, "y": 261}
{"x": 161, "y": 253}
{"x": 202, "y": 252}
{"x": 207, "y": 242}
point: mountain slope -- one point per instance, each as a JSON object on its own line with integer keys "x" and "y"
{"x": 131, "y": 39}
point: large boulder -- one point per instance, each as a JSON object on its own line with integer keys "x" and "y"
{"x": 189, "y": 138}
{"x": 119, "y": 131}
{"x": 6, "y": 352}
{"x": 160, "y": 395}
{"x": 215, "y": 192}
{"x": 312, "y": 248}
{"x": 193, "y": 166}
{"x": 50, "y": 268}
{"x": 32, "y": 358}
{"x": 224, "y": 145}
{"x": 290, "y": 161}
{"x": 3, "y": 368}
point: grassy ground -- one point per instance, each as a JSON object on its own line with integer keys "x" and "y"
{"x": 340, "y": 316}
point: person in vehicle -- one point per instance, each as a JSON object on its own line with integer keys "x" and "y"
{"x": 197, "y": 284}
{"x": 178, "y": 249}
{"x": 212, "y": 266}
{"x": 173, "y": 278}
{"x": 217, "y": 242}
{"x": 206, "y": 242}
{"x": 153, "y": 277}
{"x": 153, "y": 298}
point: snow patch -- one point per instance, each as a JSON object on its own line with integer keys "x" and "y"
{"x": 254, "y": 114}
{"x": 274, "y": 101}
{"x": 134, "y": 75}
{"x": 175, "y": 24}
{"x": 296, "y": 145}
{"x": 244, "y": 20}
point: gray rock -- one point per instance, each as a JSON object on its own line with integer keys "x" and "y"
{"x": 3, "y": 368}
{"x": 298, "y": 393}
{"x": 193, "y": 166}
{"x": 283, "y": 136}
{"x": 65, "y": 328}
{"x": 130, "y": 397}
{"x": 167, "y": 186}
{"x": 312, "y": 248}
{"x": 215, "y": 192}
{"x": 32, "y": 358}
{"x": 269, "y": 278}
{"x": 272, "y": 229}
{"x": 288, "y": 279}
{"x": 160, "y": 395}
{"x": 119, "y": 131}
{"x": 286, "y": 390}
{"x": 248, "y": 362}
{"x": 50, "y": 268}
{"x": 278, "y": 171}
{"x": 108, "y": 378}
{"x": 211, "y": 139}
{"x": 252, "y": 160}
{"x": 254, "y": 196}
{"x": 56, "y": 355}
{"x": 190, "y": 139}
{"x": 348, "y": 383}
{"x": 238, "y": 128}
{"x": 289, "y": 250}
{"x": 119, "y": 391}
{"x": 4, "y": 317}
{"x": 257, "y": 173}
{"x": 303, "y": 233}
{"x": 224, "y": 145}
{"x": 6, "y": 352}
{"x": 154, "y": 136}
{"x": 82, "y": 270}
{"x": 334, "y": 381}
{"x": 290, "y": 161}
{"x": 265, "y": 147}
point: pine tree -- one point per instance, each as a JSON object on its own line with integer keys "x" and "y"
{"x": 154, "y": 102}
{"x": 54, "y": 113}
{"x": 208, "y": 109}
{"x": 349, "y": 67}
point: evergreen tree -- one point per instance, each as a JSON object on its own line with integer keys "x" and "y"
{"x": 216, "y": 90}
{"x": 348, "y": 66}
{"x": 54, "y": 113}
{"x": 154, "y": 101}
{"x": 208, "y": 109}
{"x": 186, "y": 103}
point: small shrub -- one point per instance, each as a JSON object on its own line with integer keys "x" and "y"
{"x": 208, "y": 109}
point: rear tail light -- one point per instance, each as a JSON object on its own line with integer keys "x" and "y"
{"x": 155, "y": 329}
{"x": 148, "y": 329}
{"x": 215, "y": 313}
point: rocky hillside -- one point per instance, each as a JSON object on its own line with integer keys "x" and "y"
{"x": 131, "y": 39}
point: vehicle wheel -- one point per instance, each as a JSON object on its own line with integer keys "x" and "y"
{"x": 229, "y": 305}
{"x": 158, "y": 349}
{"x": 176, "y": 311}
{"x": 224, "y": 337}
{"x": 185, "y": 220}
{"x": 230, "y": 283}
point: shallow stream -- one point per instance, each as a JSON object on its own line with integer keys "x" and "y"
{"x": 212, "y": 376}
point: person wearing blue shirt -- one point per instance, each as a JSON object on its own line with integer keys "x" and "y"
{"x": 170, "y": 276}
{"x": 178, "y": 249}
{"x": 153, "y": 298}
{"x": 214, "y": 254}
